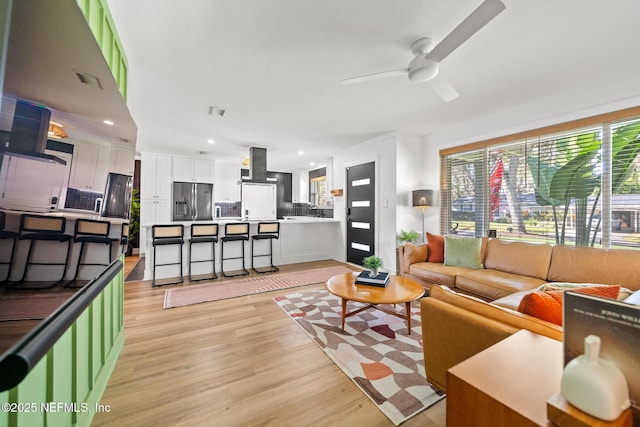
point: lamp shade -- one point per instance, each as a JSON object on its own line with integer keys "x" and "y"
{"x": 423, "y": 198}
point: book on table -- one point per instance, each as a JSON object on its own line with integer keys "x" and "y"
{"x": 380, "y": 280}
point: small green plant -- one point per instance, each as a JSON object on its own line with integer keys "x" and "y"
{"x": 134, "y": 217}
{"x": 408, "y": 236}
{"x": 372, "y": 262}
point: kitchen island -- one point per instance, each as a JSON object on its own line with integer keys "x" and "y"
{"x": 42, "y": 250}
{"x": 302, "y": 239}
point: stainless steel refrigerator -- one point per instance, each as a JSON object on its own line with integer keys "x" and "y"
{"x": 116, "y": 201}
{"x": 192, "y": 201}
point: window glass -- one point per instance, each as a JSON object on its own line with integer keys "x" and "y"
{"x": 578, "y": 188}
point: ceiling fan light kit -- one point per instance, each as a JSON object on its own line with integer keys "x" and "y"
{"x": 424, "y": 66}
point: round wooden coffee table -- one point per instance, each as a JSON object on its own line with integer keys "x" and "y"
{"x": 399, "y": 290}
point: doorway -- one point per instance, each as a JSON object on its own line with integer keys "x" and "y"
{"x": 360, "y": 211}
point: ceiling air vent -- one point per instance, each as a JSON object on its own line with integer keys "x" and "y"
{"x": 87, "y": 79}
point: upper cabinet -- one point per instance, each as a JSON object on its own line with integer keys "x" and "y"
{"x": 226, "y": 187}
{"x": 89, "y": 167}
{"x": 122, "y": 160}
{"x": 186, "y": 169}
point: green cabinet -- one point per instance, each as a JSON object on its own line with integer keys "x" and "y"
{"x": 101, "y": 23}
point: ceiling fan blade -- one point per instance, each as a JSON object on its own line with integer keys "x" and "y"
{"x": 375, "y": 76}
{"x": 471, "y": 25}
{"x": 443, "y": 88}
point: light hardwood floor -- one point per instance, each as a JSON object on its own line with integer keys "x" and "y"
{"x": 236, "y": 362}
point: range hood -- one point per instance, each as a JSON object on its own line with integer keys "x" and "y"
{"x": 28, "y": 136}
{"x": 258, "y": 167}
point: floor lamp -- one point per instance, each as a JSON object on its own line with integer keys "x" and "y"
{"x": 422, "y": 199}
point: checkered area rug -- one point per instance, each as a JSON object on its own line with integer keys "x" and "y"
{"x": 375, "y": 350}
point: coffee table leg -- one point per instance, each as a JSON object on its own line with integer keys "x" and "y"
{"x": 344, "y": 311}
{"x": 407, "y": 306}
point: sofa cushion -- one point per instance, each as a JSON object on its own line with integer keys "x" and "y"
{"x": 525, "y": 259}
{"x": 547, "y": 305}
{"x": 463, "y": 252}
{"x": 494, "y": 284}
{"x": 495, "y": 313}
{"x": 437, "y": 273}
{"x": 610, "y": 267}
{"x": 435, "y": 243}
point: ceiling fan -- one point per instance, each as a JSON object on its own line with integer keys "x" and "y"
{"x": 424, "y": 66}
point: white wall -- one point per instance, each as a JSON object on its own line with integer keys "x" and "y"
{"x": 409, "y": 165}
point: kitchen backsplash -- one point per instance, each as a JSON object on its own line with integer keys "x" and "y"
{"x": 227, "y": 209}
{"x": 81, "y": 199}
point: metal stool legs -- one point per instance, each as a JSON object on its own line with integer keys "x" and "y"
{"x": 204, "y": 233}
{"x": 234, "y": 232}
{"x": 165, "y": 235}
{"x": 266, "y": 231}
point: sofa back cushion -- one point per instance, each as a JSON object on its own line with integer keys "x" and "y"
{"x": 593, "y": 265}
{"x": 525, "y": 259}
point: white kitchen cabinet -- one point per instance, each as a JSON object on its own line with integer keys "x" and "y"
{"x": 226, "y": 186}
{"x": 122, "y": 160}
{"x": 90, "y": 166}
{"x": 155, "y": 192}
{"x": 186, "y": 169}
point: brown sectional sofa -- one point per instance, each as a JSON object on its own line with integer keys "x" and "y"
{"x": 469, "y": 310}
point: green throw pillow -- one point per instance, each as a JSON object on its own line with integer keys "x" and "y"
{"x": 463, "y": 251}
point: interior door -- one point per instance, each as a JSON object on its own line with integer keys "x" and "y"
{"x": 360, "y": 212}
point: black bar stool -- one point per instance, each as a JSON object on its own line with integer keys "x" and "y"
{"x": 164, "y": 235}
{"x": 5, "y": 235}
{"x": 266, "y": 231}
{"x": 124, "y": 237}
{"x": 90, "y": 231}
{"x": 34, "y": 228}
{"x": 204, "y": 233}
{"x": 234, "y": 232}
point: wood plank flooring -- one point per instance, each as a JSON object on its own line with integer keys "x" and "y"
{"x": 236, "y": 362}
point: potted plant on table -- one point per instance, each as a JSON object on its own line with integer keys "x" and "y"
{"x": 372, "y": 263}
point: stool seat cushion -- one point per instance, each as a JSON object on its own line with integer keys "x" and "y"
{"x": 47, "y": 236}
{"x": 264, "y": 236}
{"x": 235, "y": 238}
{"x": 168, "y": 241}
{"x": 203, "y": 239}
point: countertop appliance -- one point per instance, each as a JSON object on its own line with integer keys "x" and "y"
{"x": 116, "y": 202}
{"x": 192, "y": 201}
{"x": 258, "y": 201}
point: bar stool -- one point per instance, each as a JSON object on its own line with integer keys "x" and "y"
{"x": 5, "y": 235}
{"x": 124, "y": 237}
{"x": 90, "y": 231}
{"x": 34, "y": 228}
{"x": 164, "y": 235}
{"x": 266, "y": 231}
{"x": 234, "y": 232}
{"x": 204, "y": 233}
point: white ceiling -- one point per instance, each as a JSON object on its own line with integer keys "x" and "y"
{"x": 276, "y": 66}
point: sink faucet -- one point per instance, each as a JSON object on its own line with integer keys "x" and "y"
{"x": 315, "y": 208}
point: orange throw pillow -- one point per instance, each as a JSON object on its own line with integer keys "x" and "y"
{"x": 435, "y": 244}
{"x": 547, "y": 305}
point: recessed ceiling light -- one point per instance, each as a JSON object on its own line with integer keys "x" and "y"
{"x": 211, "y": 141}
{"x": 311, "y": 163}
{"x": 108, "y": 122}
{"x": 300, "y": 152}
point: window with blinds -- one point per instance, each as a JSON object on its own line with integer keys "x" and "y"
{"x": 580, "y": 188}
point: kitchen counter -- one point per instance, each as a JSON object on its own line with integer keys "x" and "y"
{"x": 302, "y": 239}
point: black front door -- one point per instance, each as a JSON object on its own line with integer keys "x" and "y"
{"x": 360, "y": 212}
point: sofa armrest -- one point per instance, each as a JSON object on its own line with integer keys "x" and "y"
{"x": 411, "y": 254}
{"x": 452, "y": 334}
